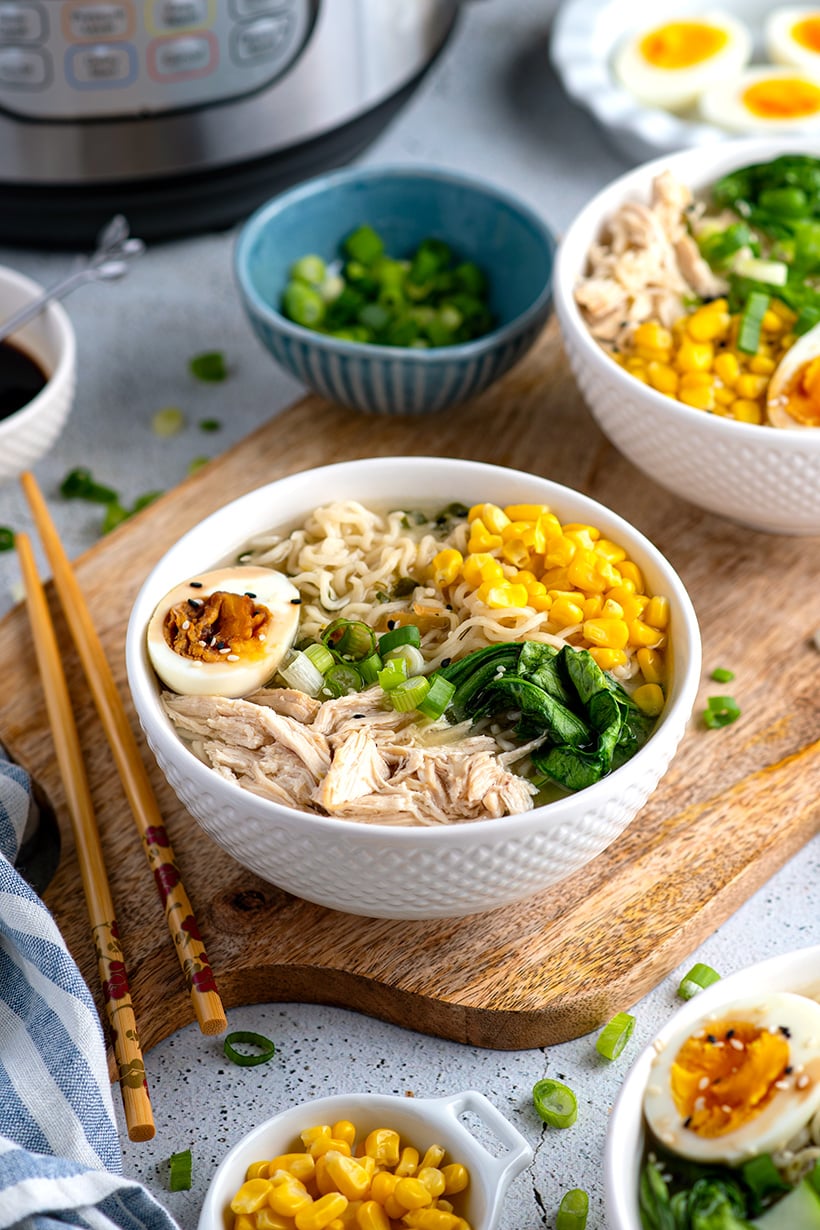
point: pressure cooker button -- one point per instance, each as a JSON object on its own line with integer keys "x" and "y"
{"x": 173, "y": 14}
{"x": 179, "y": 58}
{"x": 101, "y": 65}
{"x": 93, "y": 21}
{"x": 24, "y": 68}
{"x": 21, "y": 23}
{"x": 242, "y": 9}
{"x": 261, "y": 40}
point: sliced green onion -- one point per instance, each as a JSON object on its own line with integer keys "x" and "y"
{"x": 6, "y": 538}
{"x": 79, "y": 484}
{"x": 369, "y": 668}
{"x": 615, "y": 1035}
{"x": 209, "y": 367}
{"x": 573, "y": 1210}
{"x": 813, "y": 1176}
{"x": 310, "y": 268}
{"x": 774, "y": 273}
{"x": 320, "y": 656}
{"x": 438, "y": 697}
{"x": 407, "y": 634}
{"x": 264, "y": 1045}
{"x": 721, "y": 675}
{"x": 751, "y": 321}
{"x": 351, "y": 639}
{"x": 181, "y": 1165}
{"x": 210, "y": 425}
{"x": 409, "y": 694}
{"x": 168, "y": 421}
{"x": 364, "y": 244}
{"x": 394, "y": 673}
{"x": 720, "y": 711}
{"x": 301, "y": 674}
{"x": 698, "y": 979}
{"x": 196, "y": 463}
{"x": 412, "y": 656}
{"x": 555, "y": 1103}
{"x": 763, "y": 1177}
{"x": 341, "y": 680}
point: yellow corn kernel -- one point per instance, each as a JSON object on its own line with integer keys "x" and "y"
{"x": 322, "y": 1145}
{"x": 580, "y": 527}
{"x": 593, "y": 606}
{"x": 526, "y": 512}
{"x": 300, "y": 1165}
{"x": 723, "y": 398}
{"x": 287, "y": 1194}
{"x": 694, "y": 356}
{"x": 525, "y": 530}
{"x": 382, "y": 1185}
{"x": 607, "y": 633}
{"x": 610, "y": 551}
{"x": 344, "y": 1129}
{"x": 652, "y": 336}
{"x": 564, "y": 613}
{"x": 348, "y": 1218}
{"x": 751, "y": 386}
{"x": 641, "y": 635}
{"x": 500, "y": 595}
{"x": 322, "y": 1181}
{"x": 696, "y": 380}
{"x": 547, "y": 528}
{"x": 320, "y": 1213}
{"x": 371, "y": 1216}
{"x": 481, "y": 567}
{"x": 257, "y": 1170}
{"x": 251, "y": 1196}
{"x": 516, "y": 552}
{"x": 408, "y": 1163}
{"x": 651, "y": 664}
{"x": 540, "y": 601}
{"x": 636, "y": 364}
{"x": 266, "y": 1219}
{"x": 746, "y": 411}
{"x": 444, "y": 1205}
{"x": 431, "y": 1219}
{"x": 434, "y": 1156}
{"x": 432, "y": 1178}
{"x": 762, "y": 365}
{"x": 612, "y": 609}
{"x": 608, "y": 659}
{"x": 338, "y": 1224}
{"x": 709, "y": 323}
{"x": 394, "y": 1210}
{"x": 383, "y": 1145}
{"x": 412, "y": 1193}
{"x": 631, "y": 572}
{"x": 350, "y": 1178}
{"x": 699, "y": 399}
{"x": 657, "y": 611}
{"x": 772, "y": 322}
{"x": 584, "y": 574}
{"x": 446, "y": 567}
{"x": 493, "y": 517}
{"x": 649, "y": 698}
{"x": 481, "y": 538}
{"x": 727, "y": 367}
{"x": 663, "y": 378}
{"x": 632, "y": 605}
{"x": 245, "y": 1221}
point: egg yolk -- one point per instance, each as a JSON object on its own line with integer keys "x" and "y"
{"x": 681, "y": 44}
{"x": 801, "y": 397}
{"x": 807, "y": 33}
{"x": 723, "y": 1078}
{"x": 782, "y": 98}
{"x": 212, "y": 628}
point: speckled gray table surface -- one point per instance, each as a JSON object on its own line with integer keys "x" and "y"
{"x": 491, "y": 106}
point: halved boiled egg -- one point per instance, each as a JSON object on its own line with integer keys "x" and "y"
{"x": 742, "y": 1082}
{"x": 223, "y": 633}
{"x": 793, "y": 37}
{"x": 670, "y": 64}
{"x": 793, "y": 397}
{"x": 765, "y": 100}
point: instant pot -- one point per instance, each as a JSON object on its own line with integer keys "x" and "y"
{"x": 186, "y": 114}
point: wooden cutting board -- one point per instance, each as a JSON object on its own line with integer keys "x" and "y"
{"x": 735, "y": 805}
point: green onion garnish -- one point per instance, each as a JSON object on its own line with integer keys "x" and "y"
{"x": 209, "y": 367}
{"x": 412, "y": 656}
{"x": 79, "y": 484}
{"x": 751, "y": 320}
{"x": 573, "y": 1210}
{"x": 721, "y": 675}
{"x": 409, "y": 694}
{"x": 369, "y": 668}
{"x": 351, "y": 639}
{"x": 698, "y": 979}
{"x": 393, "y": 673}
{"x": 720, "y": 711}
{"x": 440, "y": 694}
{"x": 320, "y": 656}
{"x": 341, "y": 680}
{"x": 168, "y": 422}
{"x": 407, "y": 634}
{"x": 6, "y": 538}
{"x": 763, "y": 1178}
{"x": 555, "y": 1103}
{"x": 180, "y": 1173}
{"x": 196, "y": 463}
{"x": 245, "y": 1036}
{"x": 615, "y": 1035}
{"x": 210, "y": 425}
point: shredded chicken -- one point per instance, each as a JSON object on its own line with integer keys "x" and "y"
{"x": 350, "y": 757}
{"x": 644, "y": 267}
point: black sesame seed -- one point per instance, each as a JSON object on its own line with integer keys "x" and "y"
{"x": 711, "y": 1038}
{"x": 788, "y": 1070}
{"x": 248, "y": 594}
{"x": 220, "y": 644}
{"x": 786, "y": 1032}
{"x": 446, "y": 661}
{"x": 730, "y": 1033}
{"x": 296, "y": 602}
{"x": 195, "y": 602}
{"x": 195, "y": 584}
{"x": 687, "y": 1121}
{"x": 358, "y": 715}
{"x": 391, "y": 623}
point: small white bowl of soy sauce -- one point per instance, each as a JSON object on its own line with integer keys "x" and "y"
{"x": 37, "y": 376}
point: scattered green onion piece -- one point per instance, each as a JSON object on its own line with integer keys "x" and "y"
{"x": 763, "y": 1178}
{"x": 698, "y": 979}
{"x": 615, "y": 1035}
{"x": 412, "y": 656}
{"x": 351, "y": 639}
{"x": 303, "y": 305}
{"x": 196, "y": 463}
{"x": 774, "y": 273}
{"x": 369, "y": 668}
{"x": 209, "y": 367}
{"x": 720, "y": 711}
{"x": 364, "y": 245}
{"x": 180, "y": 1173}
{"x": 751, "y": 321}
{"x": 721, "y": 675}
{"x": 341, "y": 680}
{"x": 79, "y": 484}
{"x": 6, "y": 538}
{"x": 438, "y": 698}
{"x": 407, "y": 634}
{"x": 168, "y": 421}
{"x": 320, "y": 656}
{"x": 310, "y": 269}
{"x": 555, "y": 1103}
{"x": 264, "y": 1045}
{"x": 409, "y": 694}
{"x": 393, "y": 673}
{"x": 210, "y": 425}
{"x": 302, "y": 674}
{"x": 573, "y": 1210}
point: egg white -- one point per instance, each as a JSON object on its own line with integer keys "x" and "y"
{"x": 723, "y": 104}
{"x": 190, "y": 676}
{"x": 678, "y": 88}
{"x": 802, "y": 352}
{"x": 782, "y": 45}
{"x": 781, "y": 1119}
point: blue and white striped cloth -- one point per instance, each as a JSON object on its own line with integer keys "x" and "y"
{"x": 60, "y": 1161}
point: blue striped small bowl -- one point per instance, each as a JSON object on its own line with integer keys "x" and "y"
{"x": 405, "y": 205}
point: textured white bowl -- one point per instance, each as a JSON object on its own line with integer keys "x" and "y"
{"x": 585, "y": 37}
{"x": 765, "y": 477}
{"x": 419, "y": 1121}
{"x": 29, "y": 433}
{"x": 396, "y": 871}
{"x": 797, "y": 971}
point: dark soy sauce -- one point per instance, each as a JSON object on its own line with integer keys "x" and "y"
{"x": 21, "y": 378}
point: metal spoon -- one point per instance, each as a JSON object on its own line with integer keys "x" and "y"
{"x": 115, "y": 248}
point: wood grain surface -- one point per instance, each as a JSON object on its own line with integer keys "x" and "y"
{"x": 734, "y": 806}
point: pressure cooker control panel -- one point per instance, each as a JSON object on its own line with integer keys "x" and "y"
{"x": 91, "y": 59}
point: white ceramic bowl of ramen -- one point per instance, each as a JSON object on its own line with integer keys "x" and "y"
{"x": 795, "y": 972}
{"x": 764, "y": 477}
{"x": 408, "y": 871}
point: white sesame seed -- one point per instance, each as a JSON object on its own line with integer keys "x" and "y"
{"x": 803, "y": 1081}
{"x": 227, "y": 649}
{"x": 262, "y": 636}
{"x": 703, "y": 1083}
{"x": 232, "y": 657}
{"x": 781, "y": 1084}
{"x": 737, "y": 1044}
{"x": 186, "y": 623}
{"x": 699, "y": 1104}
{"x": 727, "y": 1110}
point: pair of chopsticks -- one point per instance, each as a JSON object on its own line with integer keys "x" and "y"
{"x": 179, "y": 913}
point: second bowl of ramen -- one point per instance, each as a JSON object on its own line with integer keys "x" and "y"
{"x": 413, "y": 687}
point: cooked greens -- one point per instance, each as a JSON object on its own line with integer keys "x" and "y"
{"x": 679, "y": 1195}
